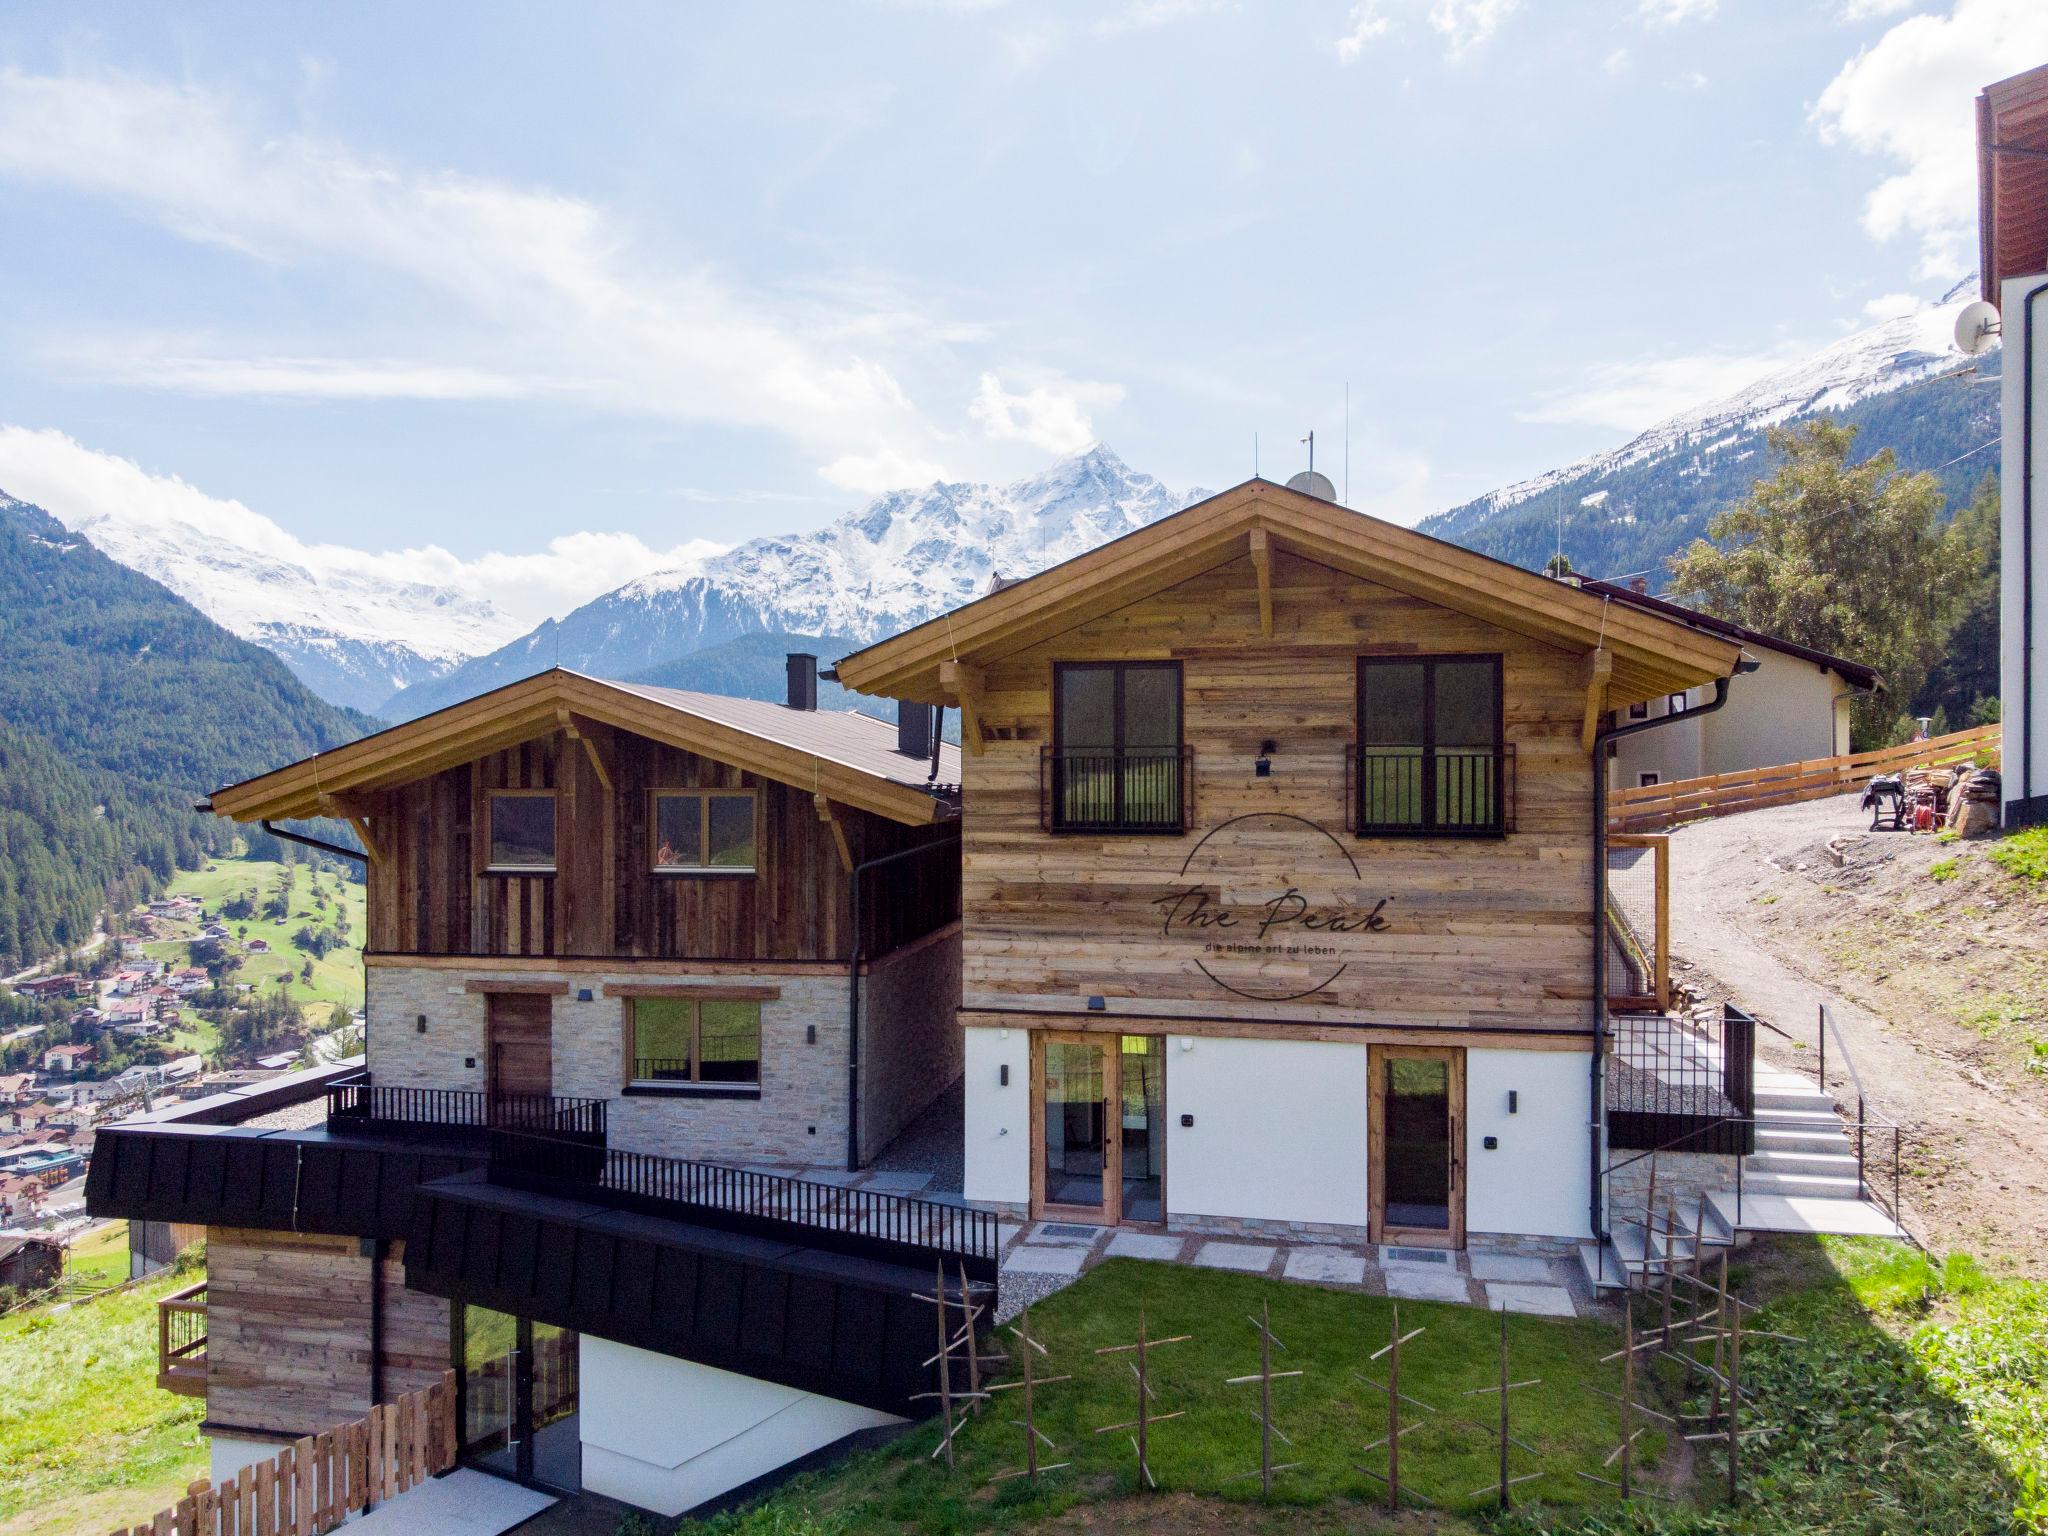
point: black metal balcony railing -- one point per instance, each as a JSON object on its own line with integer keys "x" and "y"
{"x": 1412, "y": 791}
{"x": 356, "y": 1103}
{"x": 1142, "y": 790}
{"x": 898, "y": 1229}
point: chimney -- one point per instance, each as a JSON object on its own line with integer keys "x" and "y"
{"x": 1639, "y": 584}
{"x": 803, "y": 680}
{"x": 913, "y": 729}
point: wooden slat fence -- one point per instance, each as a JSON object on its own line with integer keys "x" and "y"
{"x": 1723, "y": 794}
{"x": 317, "y": 1482}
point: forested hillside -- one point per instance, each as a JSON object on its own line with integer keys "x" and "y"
{"x": 122, "y": 706}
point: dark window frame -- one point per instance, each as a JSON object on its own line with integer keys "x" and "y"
{"x": 1639, "y": 710}
{"x": 1118, "y": 826}
{"x": 1428, "y": 826}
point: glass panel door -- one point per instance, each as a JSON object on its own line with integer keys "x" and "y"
{"x": 1075, "y": 1147}
{"x": 490, "y": 1359}
{"x": 1141, "y": 1073}
{"x": 555, "y": 1436}
{"x": 1418, "y": 1114}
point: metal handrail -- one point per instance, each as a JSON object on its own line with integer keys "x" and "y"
{"x": 356, "y": 1099}
{"x": 832, "y": 1216}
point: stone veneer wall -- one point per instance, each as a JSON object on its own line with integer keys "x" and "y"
{"x": 800, "y": 1117}
{"x": 912, "y": 1046}
{"x": 1683, "y": 1177}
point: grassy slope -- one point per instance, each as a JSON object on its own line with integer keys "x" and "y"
{"x": 1329, "y": 1415}
{"x": 87, "y": 1440}
{"x": 1916, "y": 1403}
{"x": 100, "y": 1258}
{"x": 337, "y": 978}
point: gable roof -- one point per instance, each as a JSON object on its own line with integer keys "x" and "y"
{"x": 1652, "y": 653}
{"x": 1854, "y": 673}
{"x": 848, "y": 757}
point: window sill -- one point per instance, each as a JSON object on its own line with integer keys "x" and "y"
{"x": 1439, "y": 834}
{"x": 1119, "y": 831}
{"x": 730, "y": 872}
{"x": 691, "y": 1091}
{"x": 517, "y": 869}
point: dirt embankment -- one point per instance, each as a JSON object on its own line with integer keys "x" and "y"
{"x": 1934, "y": 961}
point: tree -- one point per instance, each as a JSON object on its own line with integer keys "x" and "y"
{"x": 1850, "y": 559}
{"x": 1964, "y": 680}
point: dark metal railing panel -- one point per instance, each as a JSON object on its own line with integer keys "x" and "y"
{"x": 1694, "y": 1080}
{"x": 360, "y": 1104}
{"x": 901, "y": 1229}
{"x": 1394, "y": 790}
{"x": 1142, "y": 790}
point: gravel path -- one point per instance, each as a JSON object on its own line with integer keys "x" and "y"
{"x": 1751, "y": 907}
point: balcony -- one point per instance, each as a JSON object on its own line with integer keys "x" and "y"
{"x": 181, "y": 1341}
{"x": 1142, "y": 791}
{"x": 1397, "y": 790}
{"x": 357, "y": 1104}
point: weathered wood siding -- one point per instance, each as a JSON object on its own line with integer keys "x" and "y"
{"x": 288, "y": 1330}
{"x": 1484, "y": 934}
{"x": 429, "y": 894}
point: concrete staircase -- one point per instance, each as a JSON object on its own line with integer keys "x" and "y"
{"x": 1801, "y": 1178}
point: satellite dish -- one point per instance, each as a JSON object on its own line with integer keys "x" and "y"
{"x": 1975, "y": 327}
{"x": 1311, "y": 482}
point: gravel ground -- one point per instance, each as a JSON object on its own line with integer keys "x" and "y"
{"x": 932, "y": 1144}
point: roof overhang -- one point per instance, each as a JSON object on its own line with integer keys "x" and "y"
{"x": 1859, "y": 677}
{"x": 336, "y": 783}
{"x": 1650, "y": 654}
{"x": 2012, "y": 179}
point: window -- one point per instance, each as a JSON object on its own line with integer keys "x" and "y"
{"x": 1430, "y": 757}
{"x": 1116, "y": 760}
{"x": 672, "y": 1041}
{"x": 1648, "y": 780}
{"x": 1639, "y": 711}
{"x": 704, "y": 832}
{"x": 523, "y": 831}
{"x": 1674, "y": 704}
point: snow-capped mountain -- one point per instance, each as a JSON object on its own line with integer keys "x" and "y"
{"x": 350, "y": 633}
{"x": 895, "y": 562}
{"x": 1628, "y": 507}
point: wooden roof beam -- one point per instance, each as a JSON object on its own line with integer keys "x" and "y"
{"x": 964, "y": 686}
{"x": 1262, "y": 565}
{"x": 829, "y": 815}
{"x": 576, "y": 730}
{"x": 1595, "y": 672}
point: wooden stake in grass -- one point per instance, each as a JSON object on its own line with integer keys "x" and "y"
{"x": 1141, "y": 1442}
{"x": 943, "y": 1361}
{"x": 1265, "y": 1378}
{"x": 1391, "y": 1352}
{"x": 1029, "y": 1385}
{"x": 1507, "y": 1439}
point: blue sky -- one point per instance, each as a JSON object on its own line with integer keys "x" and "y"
{"x": 483, "y": 277}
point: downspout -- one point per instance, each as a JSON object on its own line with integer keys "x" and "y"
{"x": 1596, "y": 1128}
{"x": 853, "y": 960}
{"x": 2026, "y": 795}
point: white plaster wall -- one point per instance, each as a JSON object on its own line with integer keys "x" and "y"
{"x": 2014, "y": 472}
{"x": 228, "y": 1454}
{"x": 1784, "y": 712}
{"x": 1536, "y": 1182}
{"x": 997, "y": 1126}
{"x": 1279, "y": 1129}
{"x": 668, "y": 1434}
{"x": 1671, "y": 751}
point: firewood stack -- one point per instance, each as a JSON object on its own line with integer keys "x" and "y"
{"x": 1973, "y": 804}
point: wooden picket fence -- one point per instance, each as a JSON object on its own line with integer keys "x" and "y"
{"x": 1723, "y": 794}
{"x": 317, "y": 1482}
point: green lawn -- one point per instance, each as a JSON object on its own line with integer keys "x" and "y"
{"x": 87, "y": 1440}
{"x": 100, "y": 1258}
{"x": 1916, "y": 1404}
{"x": 337, "y": 977}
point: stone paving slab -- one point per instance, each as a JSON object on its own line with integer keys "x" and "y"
{"x": 1145, "y": 1245}
{"x": 1005, "y": 1231}
{"x": 1249, "y": 1258}
{"x": 1326, "y": 1266}
{"x": 1028, "y": 1259}
{"x": 1539, "y": 1300}
{"x": 1420, "y": 1282}
{"x": 1516, "y": 1267}
{"x": 897, "y": 1183}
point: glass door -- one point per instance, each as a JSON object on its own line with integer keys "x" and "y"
{"x": 490, "y": 1360}
{"x": 1077, "y": 1146}
{"x": 1141, "y": 1096}
{"x": 1417, "y": 1112}
{"x": 518, "y": 1399}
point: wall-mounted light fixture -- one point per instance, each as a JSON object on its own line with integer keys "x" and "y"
{"x": 420, "y": 1023}
{"x": 1262, "y": 766}
{"x": 1003, "y": 1075}
{"x": 1514, "y": 1101}
{"x": 584, "y": 994}
{"x": 810, "y": 1034}
{"x": 1097, "y": 1004}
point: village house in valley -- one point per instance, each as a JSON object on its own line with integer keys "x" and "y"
{"x": 1281, "y": 844}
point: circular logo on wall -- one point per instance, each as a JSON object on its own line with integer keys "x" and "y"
{"x": 1276, "y": 904}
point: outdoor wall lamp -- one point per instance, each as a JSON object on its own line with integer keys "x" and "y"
{"x": 584, "y": 994}
{"x": 1003, "y": 1075}
{"x": 420, "y": 1023}
{"x": 1097, "y": 1005}
{"x": 1262, "y": 765}
{"x": 1514, "y": 1105}
{"x": 810, "y": 1034}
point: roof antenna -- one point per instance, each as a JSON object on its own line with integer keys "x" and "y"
{"x": 1255, "y": 455}
{"x": 1311, "y": 441}
{"x": 1347, "y": 442}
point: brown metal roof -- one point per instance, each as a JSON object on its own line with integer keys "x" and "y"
{"x": 1854, "y": 673}
{"x": 2012, "y": 178}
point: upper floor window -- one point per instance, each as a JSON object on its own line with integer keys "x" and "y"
{"x": 701, "y": 831}
{"x": 1430, "y": 754}
{"x": 1674, "y": 704}
{"x": 523, "y": 831}
{"x": 1116, "y": 762}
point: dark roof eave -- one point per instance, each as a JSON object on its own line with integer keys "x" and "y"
{"x": 1858, "y": 676}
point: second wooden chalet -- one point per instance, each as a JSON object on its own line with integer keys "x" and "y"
{"x": 1283, "y": 875}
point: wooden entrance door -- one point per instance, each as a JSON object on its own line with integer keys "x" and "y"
{"x": 519, "y": 1044}
{"x": 1076, "y": 1148}
{"x": 1417, "y": 1111}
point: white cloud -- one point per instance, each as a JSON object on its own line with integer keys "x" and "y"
{"x": 303, "y": 378}
{"x": 548, "y": 286}
{"x": 113, "y": 498}
{"x": 882, "y": 470}
{"x": 1890, "y": 306}
{"x": 1910, "y": 98}
{"x": 1868, "y": 10}
{"x": 1144, "y": 15}
{"x": 1690, "y": 80}
{"x": 1616, "y": 63}
{"x": 1365, "y": 23}
{"x": 1052, "y": 415}
{"x": 1465, "y": 24}
{"x": 1627, "y": 397}
{"x": 1670, "y": 13}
